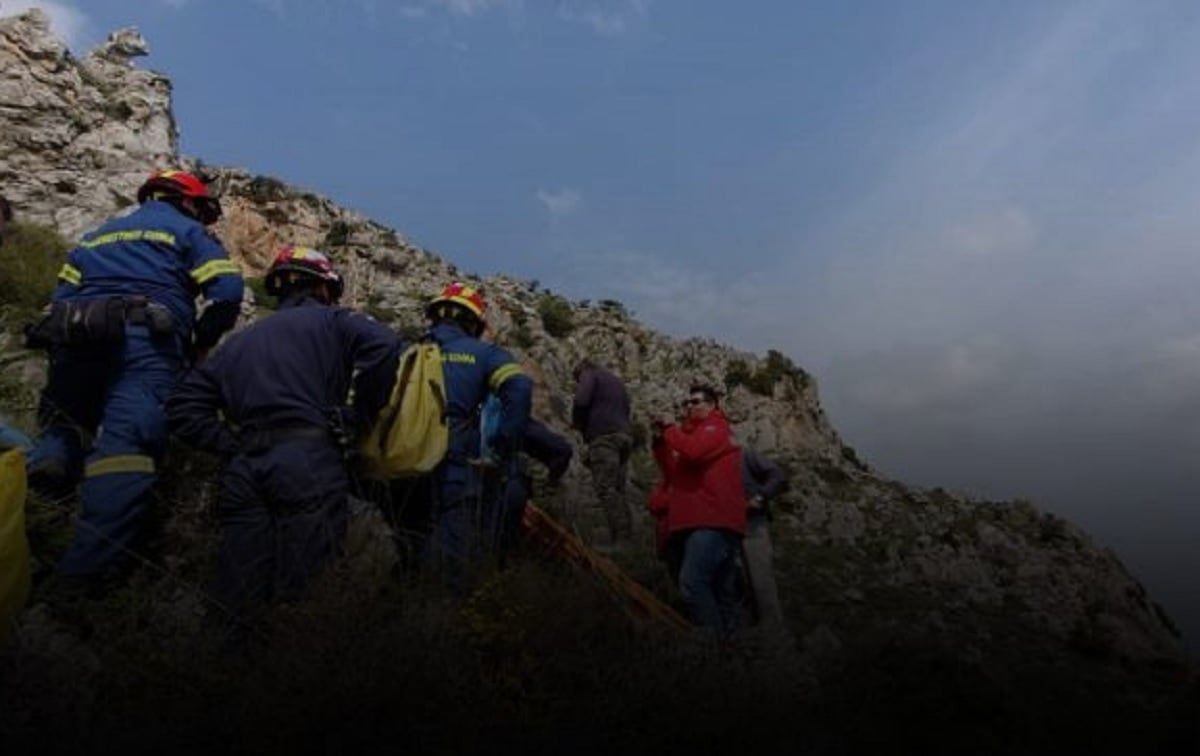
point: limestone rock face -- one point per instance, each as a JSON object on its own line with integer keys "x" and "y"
{"x": 78, "y": 136}
{"x": 859, "y": 556}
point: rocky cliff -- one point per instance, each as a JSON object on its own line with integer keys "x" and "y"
{"x": 866, "y": 564}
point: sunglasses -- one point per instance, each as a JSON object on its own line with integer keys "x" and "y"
{"x": 692, "y": 402}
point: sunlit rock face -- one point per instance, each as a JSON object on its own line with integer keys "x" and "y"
{"x": 79, "y": 135}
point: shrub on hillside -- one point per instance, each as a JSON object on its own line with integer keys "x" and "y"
{"x": 737, "y": 373}
{"x": 338, "y": 235}
{"x": 262, "y": 299}
{"x": 30, "y": 259}
{"x": 520, "y": 335}
{"x": 615, "y": 307}
{"x": 762, "y": 381}
{"x": 557, "y": 317}
{"x": 377, "y": 308}
{"x": 266, "y": 189}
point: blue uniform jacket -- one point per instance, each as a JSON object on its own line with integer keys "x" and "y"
{"x": 471, "y": 369}
{"x": 295, "y": 367}
{"x": 162, "y": 254}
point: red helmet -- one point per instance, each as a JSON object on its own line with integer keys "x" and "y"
{"x": 168, "y": 184}
{"x": 464, "y": 296}
{"x": 293, "y": 262}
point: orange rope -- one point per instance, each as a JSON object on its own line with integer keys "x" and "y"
{"x": 638, "y": 602}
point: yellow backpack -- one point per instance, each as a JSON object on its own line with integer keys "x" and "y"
{"x": 410, "y": 435}
{"x": 14, "y": 549}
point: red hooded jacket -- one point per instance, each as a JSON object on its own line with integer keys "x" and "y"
{"x": 701, "y": 483}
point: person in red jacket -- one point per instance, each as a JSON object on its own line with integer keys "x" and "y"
{"x": 701, "y": 509}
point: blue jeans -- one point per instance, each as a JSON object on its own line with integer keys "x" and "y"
{"x": 709, "y": 579}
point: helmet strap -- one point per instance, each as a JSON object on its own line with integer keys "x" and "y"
{"x": 324, "y": 292}
{"x": 459, "y": 315}
{"x": 180, "y": 203}
{"x": 294, "y": 284}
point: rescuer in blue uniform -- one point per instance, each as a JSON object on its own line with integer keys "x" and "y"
{"x": 512, "y": 484}
{"x": 122, "y": 326}
{"x": 472, "y": 369}
{"x": 273, "y": 401}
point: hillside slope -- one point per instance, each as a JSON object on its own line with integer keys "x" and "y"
{"x": 887, "y": 587}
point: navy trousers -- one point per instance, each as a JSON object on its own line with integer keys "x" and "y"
{"x": 103, "y": 421}
{"x": 283, "y": 513}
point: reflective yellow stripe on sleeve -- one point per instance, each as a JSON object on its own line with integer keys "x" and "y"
{"x": 502, "y": 374}
{"x": 120, "y": 463}
{"x": 70, "y": 274}
{"x": 214, "y": 268}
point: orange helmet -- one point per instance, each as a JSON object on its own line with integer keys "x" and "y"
{"x": 464, "y": 296}
{"x": 181, "y": 184}
{"x": 293, "y": 263}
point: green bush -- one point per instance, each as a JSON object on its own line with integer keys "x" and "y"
{"x": 409, "y": 332}
{"x": 614, "y": 306}
{"x": 375, "y": 307}
{"x": 18, "y": 399}
{"x": 763, "y": 380}
{"x": 737, "y": 373}
{"x": 266, "y": 189}
{"x": 557, "y": 317}
{"x": 390, "y": 237}
{"x": 30, "y": 259}
{"x": 521, "y": 336}
{"x": 262, "y": 299}
{"x": 851, "y": 456}
{"x": 338, "y": 235}
{"x": 776, "y": 367}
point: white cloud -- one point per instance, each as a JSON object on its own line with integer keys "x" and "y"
{"x": 961, "y": 379}
{"x": 276, "y": 7}
{"x": 561, "y": 202}
{"x": 608, "y": 19}
{"x": 67, "y": 21}
{"x": 1167, "y": 375}
{"x": 674, "y": 296}
{"x": 1006, "y": 230}
{"x": 470, "y": 7}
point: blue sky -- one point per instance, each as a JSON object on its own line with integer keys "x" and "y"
{"x": 976, "y": 223}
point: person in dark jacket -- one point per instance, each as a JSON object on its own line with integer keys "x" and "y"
{"x": 472, "y": 368}
{"x": 272, "y": 401}
{"x": 762, "y": 481}
{"x": 601, "y": 412}
{"x": 121, "y": 328}
{"x": 702, "y": 508}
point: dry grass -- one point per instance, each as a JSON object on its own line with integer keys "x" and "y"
{"x": 534, "y": 660}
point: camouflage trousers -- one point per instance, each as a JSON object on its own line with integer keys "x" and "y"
{"x": 608, "y": 460}
{"x": 757, "y": 551}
